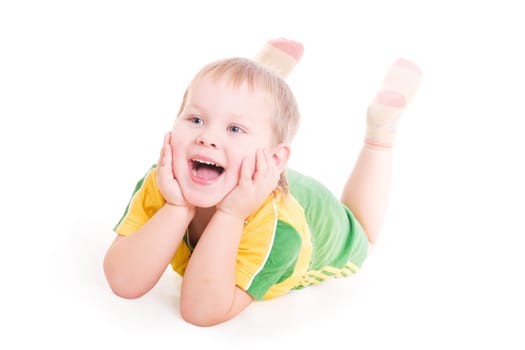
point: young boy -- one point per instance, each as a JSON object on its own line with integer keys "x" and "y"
{"x": 224, "y": 210}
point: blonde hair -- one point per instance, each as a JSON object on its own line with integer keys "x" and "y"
{"x": 286, "y": 118}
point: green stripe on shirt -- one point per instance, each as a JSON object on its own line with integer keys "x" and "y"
{"x": 280, "y": 263}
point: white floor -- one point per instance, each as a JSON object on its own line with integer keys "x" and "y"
{"x": 87, "y": 91}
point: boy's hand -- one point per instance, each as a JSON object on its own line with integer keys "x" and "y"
{"x": 168, "y": 184}
{"x": 259, "y": 177}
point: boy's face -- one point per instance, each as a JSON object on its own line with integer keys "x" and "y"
{"x": 218, "y": 127}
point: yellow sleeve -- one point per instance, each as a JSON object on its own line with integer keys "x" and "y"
{"x": 144, "y": 203}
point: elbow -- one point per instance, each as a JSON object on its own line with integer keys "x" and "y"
{"x": 200, "y": 317}
{"x": 121, "y": 285}
{"x": 125, "y": 292}
{"x": 200, "y": 322}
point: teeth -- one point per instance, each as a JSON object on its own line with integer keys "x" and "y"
{"x": 204, "y": 162}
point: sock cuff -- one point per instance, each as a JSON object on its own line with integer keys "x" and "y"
{"x": 402, "y": 80}
{"x": 276, "y": 59}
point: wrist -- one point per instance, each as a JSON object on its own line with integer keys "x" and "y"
{"x": 180, "y": 208}
{"x": 230, "y": 216}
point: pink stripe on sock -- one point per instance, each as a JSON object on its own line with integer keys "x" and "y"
{"x": 391, "y": 98}
{"x": 402, "y": 62}
{"x": 292, "y": 48}
{"x": 376, "y": 144}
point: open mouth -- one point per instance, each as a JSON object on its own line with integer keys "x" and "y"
{"x": 206, "y": 170}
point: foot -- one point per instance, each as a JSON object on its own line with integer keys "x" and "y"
{"x": 281, "y": 55}
{"x": 399, "y": 87}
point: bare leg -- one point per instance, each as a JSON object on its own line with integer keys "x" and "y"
{"x": 281, "y": 55}
{"x": 367, "y": 190}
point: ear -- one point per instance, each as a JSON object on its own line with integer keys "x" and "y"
{"x": 280, "y": 155}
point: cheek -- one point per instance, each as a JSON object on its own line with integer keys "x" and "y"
{"x": 177, "y": 152}
{"x": 178, "y": 140}
{"x": 238, "y": 155}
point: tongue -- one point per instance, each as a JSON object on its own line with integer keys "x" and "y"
{"x": 206, "y": 173}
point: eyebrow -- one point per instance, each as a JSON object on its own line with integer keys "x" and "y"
{"x": 194, "y": 106}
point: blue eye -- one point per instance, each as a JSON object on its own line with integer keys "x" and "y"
{"x": 196, "y": 120}
{"x": 235, "y": 129}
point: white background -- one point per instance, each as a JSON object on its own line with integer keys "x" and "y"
{"x": 88, "y": 88}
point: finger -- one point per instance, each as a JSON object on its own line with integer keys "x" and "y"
{"x": 261, "y": 169}
{"x": 169, "y": 151}
{"x": 161, "y": 157}
{"x": 167, "y": 157}
{"x": 166, "y": 141}
{"x": 167, "y": 165}
{"x": 247, "y": 170}
{"x": 273, "y": 171}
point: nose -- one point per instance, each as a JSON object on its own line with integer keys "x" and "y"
{"x": 205, "y": 139}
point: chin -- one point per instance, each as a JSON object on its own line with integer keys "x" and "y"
{"x": 202, "y": 201}
{"x": 203, "y": 204}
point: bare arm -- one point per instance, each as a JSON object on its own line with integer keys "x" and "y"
{"x": 134, "y": 264}
{"x": 209, "y": 294}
